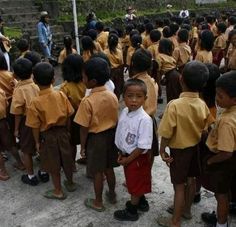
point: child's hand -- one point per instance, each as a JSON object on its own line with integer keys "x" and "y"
{"x": 82, "y": 153}
{"x": 166, "y": 158}
{"x": 123, "y": 161}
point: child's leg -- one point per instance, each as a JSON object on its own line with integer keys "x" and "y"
{"x": 111, "y": 181}
{"x": 179, "y": 198}
{"x": 98, "y": 188}
{"x": 28, "y": 162}
{"x": 56, "y": 180}
{"x": 190, "y": 191}
{"x": 222, "y": 208}
{"x": 19, "y": 164}
{"x": 3, "y": 173}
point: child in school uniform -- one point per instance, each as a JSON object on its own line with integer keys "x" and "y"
{"x": 74, "y": 88}
{"x": 182, "y": 52}
{"x": 167, "y": 67}
{"x": 181, "y": 128}
{"x": 23, "y": 94}
{"x": 222, "y": 143}
{"x": 206, "y": 42}
{"x": 102, "y": 36}
{"x": 230, "y": 60}
{"x": 146, "y": 40}
{"x": 220, "y": 44}
{"x": 97, "y": 116}
{"x": 115, "y": 57}
{"x": 92, "y": 33}
{"x": 48, "y": 115}
{"x": 88, "y": 47}
{"x": 134, "y": 139}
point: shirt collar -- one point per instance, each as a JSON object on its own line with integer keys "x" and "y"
{"x": 231, "y": 109}
{"x": 140, "y": 75}
{"x": 134, "y": 113}
{"x": 98, "y": 89}
{"x": 24, "y": 82}
{"x": 46, "y": 91}
{"x": 189, "y": 94}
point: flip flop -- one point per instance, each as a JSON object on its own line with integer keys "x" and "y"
{"x": 111, "y": 199}
{"x": 89, "y": 203}
{"x": 50, "y": 195}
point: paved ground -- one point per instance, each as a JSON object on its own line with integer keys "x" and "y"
{"x": 24, "y": 206}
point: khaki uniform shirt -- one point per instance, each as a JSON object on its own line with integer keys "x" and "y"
{"x": 50, "y": 108}
{"x": 184, "y": 120}
{"x": 74, "y": 92}
{"x": 223, "y": 136}
{"x": 150, "y": 105}
{"x": 99, "y": 111}
{"x": 153, "y": 48}
{"x": 98, "y": 46}
{"x": 204, "y": 56}
{"x": 165, "y": 63}
{"x": 182, "y": 54}
{"x": 220, "y": 42}
{"x": 102, "y": 39}
{"x": 23, "y": 94}
{"x": 3, "y": 104}
{"x": 147, "y": 41}
{"x": 174, "y": 41}
{"x": 63, "y": 55}
{"x": 231, "y": 56}
{"x": 7, "y": 83}
{"x": 116, "y": 59}
{"x": 130, "y": 53}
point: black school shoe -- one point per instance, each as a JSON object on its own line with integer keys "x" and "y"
{"x": 143, "y": 204}
{"x": 197, "y": 198}
{"x": 128, "y": 214}
{"x": 26, "y": 180}
{"x": 44, "y": 177}
{"x": 209, "y": 218}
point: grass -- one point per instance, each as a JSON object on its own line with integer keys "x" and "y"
{"x": 12, "y": 32}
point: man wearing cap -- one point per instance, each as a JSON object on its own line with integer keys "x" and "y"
{"x": 45, "y": 35}
{"x": 130, "y": 16}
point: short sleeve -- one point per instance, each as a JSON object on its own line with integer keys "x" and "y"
{"x": 168, "y": 122}
{"x": 199, "y": 57}
{"x": 226, "y": 137}
{"x": 32, "y": 116}
{"x": 84, "y": 114}
{"x": 145, "y": 134}
{"x": 70, "y": 109}
{"x": 18, "y": 103}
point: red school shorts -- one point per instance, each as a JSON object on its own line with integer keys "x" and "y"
{"x": 138, "y": 175}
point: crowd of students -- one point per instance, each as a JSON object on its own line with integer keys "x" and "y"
{"x": 193, "y": 57}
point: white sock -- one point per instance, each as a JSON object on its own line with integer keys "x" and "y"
{"x": 30, "y": 176}
{"x": 42, "y": 172}
{"x": 221, "y": 225}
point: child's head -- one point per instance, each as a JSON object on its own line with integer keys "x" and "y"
{"x": 3, "y": 62}
{"x": 209, "y": 91}
{"x": 232, "y": 20}
{"x": 72, "y": 68}
{"x": 174, "y": 28}
{"x": 22, "y": 68}
{"x": 148, "y": 27}
{"x": 99, "y": 26}
{"x": 136, "y": 41}
{"x": 159, "y": 23}
{"x": 141, "y": 61}
{"x": 225, "y": 90}
{"x": 113, "y": 42}
{"x": 67, "y": 41}
{"x": 33, "y": 56}
{"x": 96, "y": 72}
{"x": 155, "y": 35}
{"x": 103, "y": 56}
{"x": 166, "y": 46}
{"x": 195, "y": 76}
{"x": 92, "y": 33}
{"x": 87, "y": 43}
{"x": 221, "y": 28}
{"x": 232, "y": 37}
{"x": 183, "y": 36}
{"x": 23, "y": 45}
{"x": 166, "y": 32}
{"x": 206, "y": 40}
{"x": 141, "y": 28}
{"x": 129, "y": 28}
{"x": 43, "y": 74}
{"x": 135, "y": 94}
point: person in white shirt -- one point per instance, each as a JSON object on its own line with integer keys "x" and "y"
{"x": 130, "y": 16}
{"x": 133, "y": 138}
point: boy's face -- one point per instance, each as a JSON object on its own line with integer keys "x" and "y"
{"x": 134, "y": 97}
{"x": 223, "y": 99}
{"x": 88, "y": 83}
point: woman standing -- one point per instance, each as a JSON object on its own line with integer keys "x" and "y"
{"x": 45, "y": 35}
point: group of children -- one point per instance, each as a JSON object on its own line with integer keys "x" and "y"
{"x": 85, "y": 111}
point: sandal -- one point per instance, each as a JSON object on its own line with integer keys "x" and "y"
{"x": 164, "y": 221}
{"x": 70, "y": 187}
{"x": 3, "y": 175}
{"x": 89, "y": 203}
{"x": 187, "y": 216}
{"x": 50, "y": 195}
{"x": 111, "y": 198}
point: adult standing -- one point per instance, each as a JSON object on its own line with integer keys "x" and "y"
{"x": 184, "y": 13}
{"x": 45, "y": 35}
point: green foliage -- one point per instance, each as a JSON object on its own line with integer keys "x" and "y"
{"x": 12, "y": 32}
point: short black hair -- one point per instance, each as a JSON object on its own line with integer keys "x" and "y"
{"x": 136, "y": 41}
{"x": 221, "y": 27}
{"x": 207, "y": 40}
{"x": 166, "y": 32}
{"x": 173, "y": 28}
{"x": 155, "y": 35}
{"x": 135, "y": 82}
{"x": 231, "y": 34}
{"x": 141, "y": 28}
{"x": 195, "y": 75}
{"x": 149, "y": 27}
{"x": 43, "y": 74}
{"x": 166, "y": 46}
{"x": 97, "y": 69}
{"x": 33, "y": 56}
{"x": 99, "y": 26}
{"x": 3, "y": 62}
{"x": 141, "y": 60}
{"x": 103, "y": 56}
{"x": 92, "y": 33}
{"x": 209, "y": 91}
{"x": 227, "y": 82}
{"x": 23, "y": 45}
{"x": 72, "y": 68}
{"x": 159, "y": 22}
{"x": 23, "y": 68}
{"x": 183, "y": 35}
{"x": 232, "y": 20}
